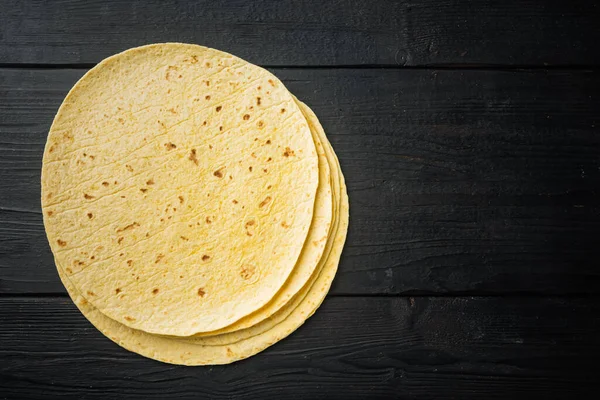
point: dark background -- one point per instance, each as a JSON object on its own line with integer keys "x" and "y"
{"x": 468, "y": 133}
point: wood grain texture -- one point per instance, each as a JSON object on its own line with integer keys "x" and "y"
{"x": 306, "y": 32}
{"x": 352, "y": 348}
{"x": 459, "y": 181}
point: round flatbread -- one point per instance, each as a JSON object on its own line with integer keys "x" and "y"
{"x": 178, "y": 188}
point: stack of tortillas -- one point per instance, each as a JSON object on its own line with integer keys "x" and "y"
{"x": 195, "y": 209}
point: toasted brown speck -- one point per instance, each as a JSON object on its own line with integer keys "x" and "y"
{"x": 61, "y": 243}
{"x": 258, "y": 101}
{"x": 120, "y": 240}
{"x": 193, "y": 157}
{"x": 246, "y": 117}
{"x": 87, "y": 196}
{"x": 184, "y": 238}
{"x": 117, "y": 290}
{"x": 266, "y": 201}
{"x": 50, "y": 213}
{"x": 284, "y": 224}
{"x": 218, "y": 108}
{"x": 271, "y": 82}
{"x": 221, "y": 128}
{"x": 90, "y": 293}
{"x": 150, "y": 182}
{"x": 128, "y": 318}
{"x": 201, "y": 292}
{"x": 104, "y": 183}
{"x": 130, "y": 226}
{"x": 269, "y": 159}
{"x": 207, "y": 97}
{"x": 282, "y": 110}
{"x": 180, "y": 199}
{"x": 208, "y": 221}
{"x": 218, "y": 173}
{"x": 69, "y": 270}
{"x": 250, "y": 168}
{"x": 170, "y": 146}
{"x": 268, "y": 141}
{"x": 158, "y": 258}
{"x": 154, "y": 291}
{"x": 205, "y": 257}
{"x": 143, "y": 190}
{"x": 260, "y": 124}
{"x": 247, "y": 272}
{"x": 288, "y": 152}
{"x": 90, "y": 215}
{"x": 129, "y": 168}
{"x": 234, "y": 201}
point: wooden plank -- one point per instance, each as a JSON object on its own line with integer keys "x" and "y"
{"x": 352, "y": 348}
{"x": 459, "y": 181}
{"x": 304, "y": 32}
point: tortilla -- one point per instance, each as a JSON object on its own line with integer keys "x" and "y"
{"x": 178, "y": 188}
{"x": 185, "y": 351}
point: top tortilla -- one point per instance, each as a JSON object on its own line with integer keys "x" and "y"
{"x": 178, "y": 187}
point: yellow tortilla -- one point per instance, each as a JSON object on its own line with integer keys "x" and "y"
{"x": 178, "y": 188}
{"x": 185, "y": 351}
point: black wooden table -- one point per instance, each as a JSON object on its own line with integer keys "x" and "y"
{"x": 469, "y": 136}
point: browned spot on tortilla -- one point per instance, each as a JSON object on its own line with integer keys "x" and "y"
{"x": 184, "y": 238}
{"x": 269, "y": 187}
{"x": 170, "y": 146}
{"x": 129, "y": 262}
{"x": 266, "y": 201}
{"x": 92, "y": 257}
{"x": 260, "y": 124}
{"x": 180, "y": 199}
{"x": 69, "y": 270}
{"x": 282, "y": 110}
{"x": 121, "y": 121}
{"x": 221, "y": 128}
{"x": 269, "y": 159}
{"x": 218, "y": 108}
{"x": 51, "y": 149}
{"x": 172, "y": 110}
{"x": 92, "y": 157}
{"x": 208, "y": 221}
{"x": 158, "y": 258}
{"x": 104, "y": 183}
{"x": 218, "y": 173}
{"x": 118, "y": 290}
{"x": 268, "y": 141}
{"x": 129, "y": 168}
{"x": 234, "y": 201}
{"x": 128, "y": 318}
{"x": 87, "y": 196}
{"x": 201, "y": 292}
{"x": 143, "y": 190}
{"x": 265, "y": 170}
{"x": 247, "y": 272}
{"x": 150, "y": 182}
{"x": 155, "y": 291}
{"x": 208, "y": 64}
{"x": 229, "y": 352}
{"x": 49, "y": 196}
{"x": 284, "y": 224}
{"x": 193, "y": 157}
{"x": 271, "y": 82}
{"x": 250, "y": 168}
{"x": 50, "y": 213}
{"x": 90, "y": 215}
{"x": 288, "y": 152}
{"x": 120, "y": 240}
{"x": 90, "y": 293}
{"x": 205, "y": 257}
{"x": 258, "y": 101}
{"x": 61, "y": 243}
{"x": 246, "y": 117}
{"x": 130, "y": 226}
{"x": 121, "y": 254}
{"x": 250, "y": 223}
